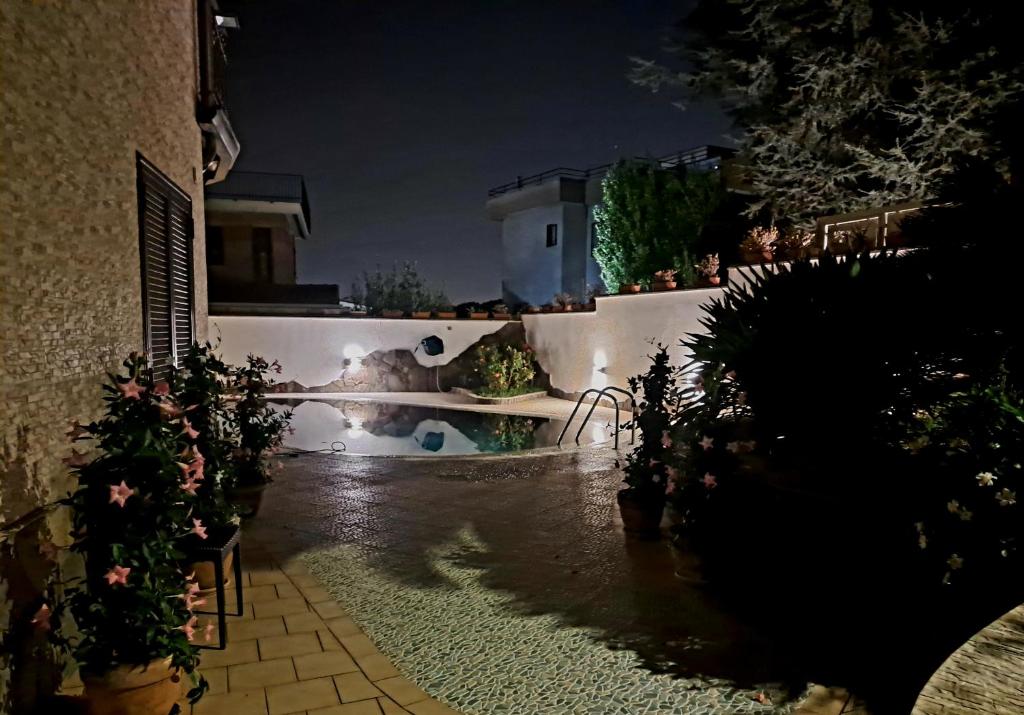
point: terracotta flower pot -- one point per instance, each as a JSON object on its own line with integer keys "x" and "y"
{"x": 421, "y": 314}
{"x": 558, "y": 309}
{"x": 767, "y": 256}
{"x": 357, "y": 313}
{"x": 249, "y": 498}
{"x": 502, "y": 316}
{"x": 134, "y": 690}
{"x": 639, "y": 515}
{"x": 478, "y": 315}
{"x": 392, "y": 313}
{"x": 714, "y": 280}
{"x": 629, "y": 288}
{"x": 446, "y": 314}
{"x": 204, "y": 572}
{"x": 664, "y": 285}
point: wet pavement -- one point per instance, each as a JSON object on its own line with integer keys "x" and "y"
{"x": 499, "y": 581}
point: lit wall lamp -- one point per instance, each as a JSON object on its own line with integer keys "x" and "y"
{"x": 227, "y": 21}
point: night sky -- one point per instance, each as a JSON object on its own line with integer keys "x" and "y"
{"x": 401, "y": 115}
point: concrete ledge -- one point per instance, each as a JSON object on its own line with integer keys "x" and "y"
{"x": 485, "y": 400}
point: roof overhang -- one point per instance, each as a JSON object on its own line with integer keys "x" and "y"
{"x": 292, "y": 210}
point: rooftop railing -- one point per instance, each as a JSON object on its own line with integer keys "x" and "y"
{"x": 688, "y": 157}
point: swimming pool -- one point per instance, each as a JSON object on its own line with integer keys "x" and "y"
{"x": 386, "y": 429}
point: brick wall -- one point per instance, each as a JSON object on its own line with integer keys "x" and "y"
{"x": 84, "y": 85}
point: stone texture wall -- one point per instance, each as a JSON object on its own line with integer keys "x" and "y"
{"x": 84, "y": 85}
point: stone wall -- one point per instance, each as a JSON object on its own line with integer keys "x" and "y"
{"x": 84, "y": 85}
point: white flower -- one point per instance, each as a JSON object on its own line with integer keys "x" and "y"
{"x": 955, "y": 562}
{"x": 986, "y": 479}
{"x": 1006, "y": 497}
{"x": 922, "y": 541}
{"x": 656, "y": 479}
{"x": 953, "y": 506}
{"x": 965, "y": 515}
{"x": 733, "y": 447}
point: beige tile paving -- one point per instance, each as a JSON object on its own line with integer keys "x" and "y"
{"x": 295, "y": 650}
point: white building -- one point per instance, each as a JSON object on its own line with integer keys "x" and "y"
{"x": 547, "y": 227}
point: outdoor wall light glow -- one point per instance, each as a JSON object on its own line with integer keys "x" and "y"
{"x": 355, "y": 427}
{"x": 354, "y": 354}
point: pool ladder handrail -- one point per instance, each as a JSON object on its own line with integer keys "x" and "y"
{"x": 602, "y": 393}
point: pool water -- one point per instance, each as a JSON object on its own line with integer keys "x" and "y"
{"x": 386, "y": 429}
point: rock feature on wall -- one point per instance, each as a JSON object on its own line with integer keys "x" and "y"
{"x": 398, "y": 370}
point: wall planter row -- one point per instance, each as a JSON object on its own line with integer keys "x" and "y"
{"x": 427, "y": 315}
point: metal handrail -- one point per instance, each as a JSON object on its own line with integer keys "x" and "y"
{"x": 632, "y": 437}
{"x": 600, "y": 393}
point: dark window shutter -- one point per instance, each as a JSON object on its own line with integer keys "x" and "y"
{"x": 165, "y": 237}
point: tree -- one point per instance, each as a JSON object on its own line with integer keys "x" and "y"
{"x": 853, "y": 104}
{"x": 652, "y": 219}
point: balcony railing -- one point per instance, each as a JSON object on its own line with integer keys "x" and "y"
{"x": 263, "y": 186}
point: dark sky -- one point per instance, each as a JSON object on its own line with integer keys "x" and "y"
{"x": 401, "y": 115}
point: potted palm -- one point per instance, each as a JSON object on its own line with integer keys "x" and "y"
{"x": 201, "y": 383}
{"x": 642, "y": 501}
{"x": 759, "y": 244}
{"x": 708, "y": 269}
{"x": 132, "y": 509}
{"x": 260, "y": 430}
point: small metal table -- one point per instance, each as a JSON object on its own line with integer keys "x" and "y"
{"x": 215, "y": 549}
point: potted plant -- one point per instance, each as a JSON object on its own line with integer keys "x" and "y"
{"x": 500, "y": 312}
{"x": 477, "y": 312}
{"x": 392, "y": 313}
{"x": 708, "y": 269}
{"x": 260, "y": 430}
{"x": 356, "y": 313}
{"x": 133, "y": 507}
{"x": 533, "y": 309}
{"x": 563, "y": 302}
{"x": 759, "y": 244}
{"x": 647, "y": 473}
{"x": 631, "y": 287}
{"x": 446, "y": 312}
{"x": 201, "y": 383}
{"x": 421, "y": 314}
{"x": 795, "y": 244}
{"x": 504, "y": 371}
{"x": 665, "y": 279}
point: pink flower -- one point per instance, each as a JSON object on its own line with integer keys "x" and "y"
{"x": 733, "y": 447}
{"x": 41, "y": 619}
{"x": 673, "y": 473}
{"x": 76, "y": 459}
{"x": 119, "y": 493}
{"x": 162, "y": 388}
{"x": 77, "y": 430}
{"x": 208, "y": 632}
{"x": 190, "y": 599}
{"x": 749, "y": 445}
{"x": 118, "y": 574}
{"x": 654, "y": 462}
{"x": 192, "y": 433}
{"x": 709, "y": 481}
{"x": 731, "y": 374}
{"x": 170, "y": 410}
{"x": 707, "y": 443}
{"x": 190, "y": 485}
{"x": 197, "y": 456}
{"x": 130, "y": 390}
{"x": 666, "y": 441}
{"x": 198, "y": 529}
{"x": 670, "y": 488}
{"x": 189, "y": 629}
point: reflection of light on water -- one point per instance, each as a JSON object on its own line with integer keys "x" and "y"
{"x": 355, "y": 354}
{"x": 598, "y": 433}
{"x": 599, "y": 376}
{"x": 355, "y": 427}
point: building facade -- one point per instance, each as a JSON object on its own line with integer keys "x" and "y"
{"x": 547, "y": 227}
{"x": 109, "y": 130}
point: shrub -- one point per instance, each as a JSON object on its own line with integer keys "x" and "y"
{"x": 652, "y": 219}
{"x": 261, "y": 428}
{"x": 400, "y": 289}
{"x": 201, "y": 383}
{"x": 648, "y": 470}
{"x": 130, "y": 512}
{"x": 504, "y": 370}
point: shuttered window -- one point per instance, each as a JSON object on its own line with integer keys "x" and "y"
{"x": 165, "y": 241}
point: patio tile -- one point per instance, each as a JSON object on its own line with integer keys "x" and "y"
{"x": 344, "y": 627}
{"x": 240, "y": 652}
{"x": 359, "y": 646}
{"x": 242, "y": 702}
{"x": 315, "y": 593}
{"x": 287, "y": 590}
{"x": 329, "y": 609}
{"x": 304, "y": 695}
{"x": 430, "y": 707}
{"x": 401, "y": 690}
{"x": 289, "y": 645}
{"x": 259, "y": 675}
{"x": 267, "y": 576}
{"x": 304, "y": 580}
{"x": 303, "y": 622}
{"x": 363, "y": 707}
{"x": 318, "y": 665}
{"x": 217, "y": 678}
{"x": 390, "y": 707}
{"x": 377, "y": 666}
{"x": 328, "y": 641}
{"x": 255, "y": 594}
{"x": 256, "y": 628}
{"x": 355, "y": 686}
{"x": 280, "y": 607}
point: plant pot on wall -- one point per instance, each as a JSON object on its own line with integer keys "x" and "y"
{"x": 421, "y": 314}
{"x": 640, "y": 516}
{"x": 629, "y": 288}
{"x": 478, "y": 315}
{"x": 502, "y": 316}
{"x": 392, "y": 313}
{"x": 356, "y": 314}
{"x": 664, "y": 285}
{"x": 446, "y": 314}
{"x": 134, "y": 690}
